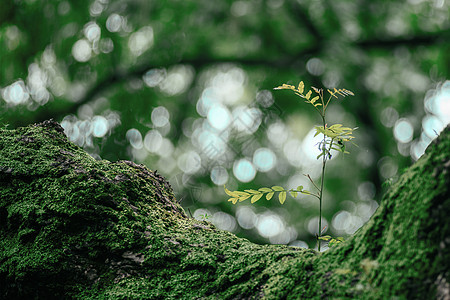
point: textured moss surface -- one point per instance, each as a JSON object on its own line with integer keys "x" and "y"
{"x": 73, "y": 227}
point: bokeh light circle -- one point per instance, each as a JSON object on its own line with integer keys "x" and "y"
{"x": 244, "y": 170}
{"x": 82, "y": 51}
{"x": 264, "y": 159}
{"x": 219, "y": 175}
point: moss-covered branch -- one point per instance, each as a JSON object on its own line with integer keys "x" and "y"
{"x": 73, "y": 227}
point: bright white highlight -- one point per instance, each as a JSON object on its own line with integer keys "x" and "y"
{"x": 244, "y": 170}
{"x": 403, "y": 131}
{"x": 264, "y": 159}
{"x": 82, "y": 51}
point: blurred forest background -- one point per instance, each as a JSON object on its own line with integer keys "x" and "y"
{"x": 186, "y": 88}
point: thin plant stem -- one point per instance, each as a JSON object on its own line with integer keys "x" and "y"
{"x": 312, "y": 181}
{"x": 324, "y": 161}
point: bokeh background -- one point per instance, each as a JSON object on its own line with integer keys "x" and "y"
{"x": 186, "y": 88}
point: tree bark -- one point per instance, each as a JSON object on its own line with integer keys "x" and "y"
{"x": 74, "y": 227}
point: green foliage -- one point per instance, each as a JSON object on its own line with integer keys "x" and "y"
{"x": 335, "y": 135}
{"x": 238, "y": 196}
{"x": 300, "y": 89}
{"x": 334, "y": 138}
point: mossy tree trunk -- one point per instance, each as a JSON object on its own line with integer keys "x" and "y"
{"x": 73, "y": 227}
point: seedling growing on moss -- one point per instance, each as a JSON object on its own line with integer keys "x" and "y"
{"x": 334, "y": 138}
{"x": 331, "y": 241}
{"x": 204, "y": 217}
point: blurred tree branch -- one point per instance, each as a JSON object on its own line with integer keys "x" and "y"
{"x": 442, "y": 37}
{"x": 57, "y": 111}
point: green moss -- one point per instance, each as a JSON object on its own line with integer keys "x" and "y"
{"x": 73, "y": 227}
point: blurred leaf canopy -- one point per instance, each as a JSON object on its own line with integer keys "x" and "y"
{"x": 186, "y": 87}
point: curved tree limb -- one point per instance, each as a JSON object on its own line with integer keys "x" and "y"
{"x": 74, "y": 227}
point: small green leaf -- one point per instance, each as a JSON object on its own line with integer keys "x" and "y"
{"x": 230, "y": 193}
{"x": 244, "y": 197}
{"x": 256, "y": 198}
{"x": 300, "y": 188}
{"x": 233, "y": 200}
{"x": 308, "y": 95}
{"x": 235, "y": 194}
{"x": 265, "y": 190}
{"x": 269, "y": 195}
{"x": 253, "y": 191}
{"x": 319, "y": 130}
{"x": 285, "y": 87}
{"x": 325, "y": 237}
{"x": 349, "y": 92}
{"x": 301, "y": 87}
{"x": 335, "y": 126}
{"x": 294, "y": 194}
{"x": 314, "y": 99}
{"x": 332, "y": 94}
{"x": 277, "y": 188}
{"x": 241, "y": 194}
{"x": 282, "y": 197}
{"x": 318, "y": 91}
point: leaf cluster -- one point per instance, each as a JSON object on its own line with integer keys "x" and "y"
{"x": 255, "y": 195}
{"x": 317, "y": 101}
{"x": 336, "y": 135}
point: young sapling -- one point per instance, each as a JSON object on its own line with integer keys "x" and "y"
{"x": 334, "y": 138}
